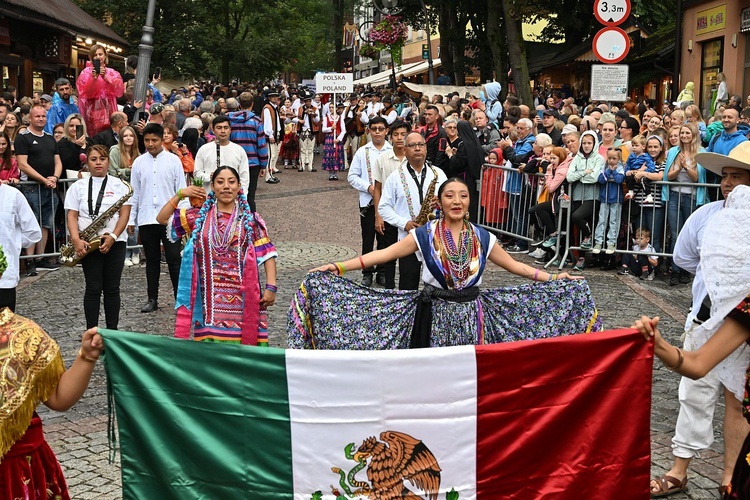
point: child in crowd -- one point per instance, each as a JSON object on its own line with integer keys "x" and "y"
{"x": 638, "y": 161}
{"x": 492, "y": 158}
{"x": 610, "y": 196}
{"x": 641, "y": 265}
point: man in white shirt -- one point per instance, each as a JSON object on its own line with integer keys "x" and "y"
{"x": 387, "y": 163}
{"x": 694, "y": 428}
{"x": 19, "y": 229}
{"x": 309, "y": 125}
{"x": 360, "y": 177}
{"x": 221, "y": 152}
{"x": 404, "y": 192}
{"x": 156, "y": 177}
{"x": 274, "y": 130}
{"x": 388, "y": 111}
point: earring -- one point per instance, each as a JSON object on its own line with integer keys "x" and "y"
{"x": 466, "y": 216}
{"x": 442, "y": 214}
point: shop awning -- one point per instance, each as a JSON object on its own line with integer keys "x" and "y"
{"x": 405, "y": 71}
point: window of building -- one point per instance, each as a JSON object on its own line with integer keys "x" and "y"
{"x": 711, "y": 62}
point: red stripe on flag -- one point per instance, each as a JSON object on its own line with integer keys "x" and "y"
{"x": 565, "y": 418}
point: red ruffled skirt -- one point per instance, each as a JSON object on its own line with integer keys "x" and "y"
{"x": 30, "y": 469}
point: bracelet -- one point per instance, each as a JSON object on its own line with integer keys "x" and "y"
{"x": 179, "y": 194}
{"x": 86, "y": 358}
{"x": 174, "y": 205}
{"x": 340, "y": 268}
{"x": 552, "y": 277}
{"x": 361, "y": 262}
{"x": 680, "y": 359}
{"x": 271, "y": 288}
{"x": 536, "y": 274}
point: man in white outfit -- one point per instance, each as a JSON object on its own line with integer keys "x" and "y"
{"x": 694, "y": 429}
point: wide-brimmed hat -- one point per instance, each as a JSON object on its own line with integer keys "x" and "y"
{"x": 739, "y": 157}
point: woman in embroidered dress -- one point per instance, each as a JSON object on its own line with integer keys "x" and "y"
{"x": 33, "y": 372}
{"x": 290, "y": 144}
{"x": 450, "y": 310}
{"x": 333, "y": 148}
{"x": 727, "y": 278}
{"x": 219, "y": 295}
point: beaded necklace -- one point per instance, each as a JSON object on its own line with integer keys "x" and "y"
{"x": 457, "y": 258}
{"x": 220, "y": 241}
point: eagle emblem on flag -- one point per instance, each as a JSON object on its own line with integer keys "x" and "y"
{"x": 391, "y": 462}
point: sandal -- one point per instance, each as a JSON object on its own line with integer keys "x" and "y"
{"x": 665, "y": 489}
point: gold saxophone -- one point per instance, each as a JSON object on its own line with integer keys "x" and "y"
{"x": 426, "y": 212}
{"x": 68, "y": 255}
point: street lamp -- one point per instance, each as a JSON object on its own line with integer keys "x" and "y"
{"x": 387, "y": 7}
{"x": 145, "y": 49}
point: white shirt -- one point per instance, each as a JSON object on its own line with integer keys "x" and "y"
{"x": 330, "y": 123}
{"x": 386, "y": 164}
{"x": 18, "y": 229}
{"x": 394, "y": 207}
{"x": 155, "y": 181}
{"x": 231, "y": 154}
{"x": 77, "y": 199}
{"x": 687, "y": 252}
{"x": 358, "y": 177}
{"x": 391, "y": 116}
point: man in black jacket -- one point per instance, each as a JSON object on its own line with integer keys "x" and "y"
{"x": 435, "y": 137}
{"x": 109, "y": 137}
{"x": 549, "y": 116}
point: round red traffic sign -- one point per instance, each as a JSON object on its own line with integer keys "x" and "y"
{"x": 611, "y": 45}
{"x": 611, "y": 12}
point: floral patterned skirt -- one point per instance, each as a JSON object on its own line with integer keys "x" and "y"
{"x": 331, "y": 312}
{"x": 333, "y": 155}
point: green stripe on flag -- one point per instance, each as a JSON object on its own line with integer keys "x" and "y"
{"x": 222, "y": 411}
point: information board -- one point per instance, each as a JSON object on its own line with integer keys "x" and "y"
{"x": 609, "y": 82}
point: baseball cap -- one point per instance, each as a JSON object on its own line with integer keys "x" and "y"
{"x": 46, "y": 97}
{"x": 551, "y": 112}
{"x": 569, "y": 128}
{"x": 156, "y": 108}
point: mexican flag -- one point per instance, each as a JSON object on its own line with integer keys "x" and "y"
{"x": 557, "y": 418}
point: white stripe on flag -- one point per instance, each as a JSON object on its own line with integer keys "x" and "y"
{"x": 342, "y": 397}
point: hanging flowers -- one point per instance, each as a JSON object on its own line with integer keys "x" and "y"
{"x": 391, "y": 34}
{"x": 370, "y": 51}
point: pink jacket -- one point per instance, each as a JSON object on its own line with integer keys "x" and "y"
{"x": 97, "y": 97}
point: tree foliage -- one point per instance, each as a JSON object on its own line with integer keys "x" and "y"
{"x": 226, "y": 39}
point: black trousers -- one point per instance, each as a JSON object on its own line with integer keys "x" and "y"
{"x": 252, "y": 187}
{"x": 583, "y": 216}
{"x": 152, "y": 236}
{"x": 8, "y": 298}
{"x": 103, "y": 272}
{"x": 369, "y": 235}
{"x": 409, "y": 272}
{"x": 637, "y": 264}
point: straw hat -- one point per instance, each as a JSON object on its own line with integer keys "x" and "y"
{"x": 739, "y": 157}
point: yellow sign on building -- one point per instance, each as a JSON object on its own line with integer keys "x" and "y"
{"x": 710, "y": 20}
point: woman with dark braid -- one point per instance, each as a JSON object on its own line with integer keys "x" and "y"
{"x": 219, "y": 295}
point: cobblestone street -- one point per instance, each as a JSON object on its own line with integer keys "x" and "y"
{"x": 313, "y": 221}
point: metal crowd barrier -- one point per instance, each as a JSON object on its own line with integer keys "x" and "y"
{"x": 59, "y": 229}
{"x": 507, "y": 213}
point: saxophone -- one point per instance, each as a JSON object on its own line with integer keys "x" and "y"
{"x": 68, "y": 255}
{"x": 426, "y": 212}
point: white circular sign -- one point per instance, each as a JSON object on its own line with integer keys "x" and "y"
{"x": 611, "y": 12}
{"x": 611, "y": 45}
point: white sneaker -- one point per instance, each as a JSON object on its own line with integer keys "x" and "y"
{"x": 128, "y": 262}
{"x": 610, "y": 249}
{"x": 538, "y": 253}
{"x": 136, "y": 259}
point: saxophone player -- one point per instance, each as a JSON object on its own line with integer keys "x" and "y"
{"x": 407, "y": 193}
{"x": 94, "y": 200}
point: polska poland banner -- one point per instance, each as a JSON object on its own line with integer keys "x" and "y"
{"x": 562, "y": 418}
